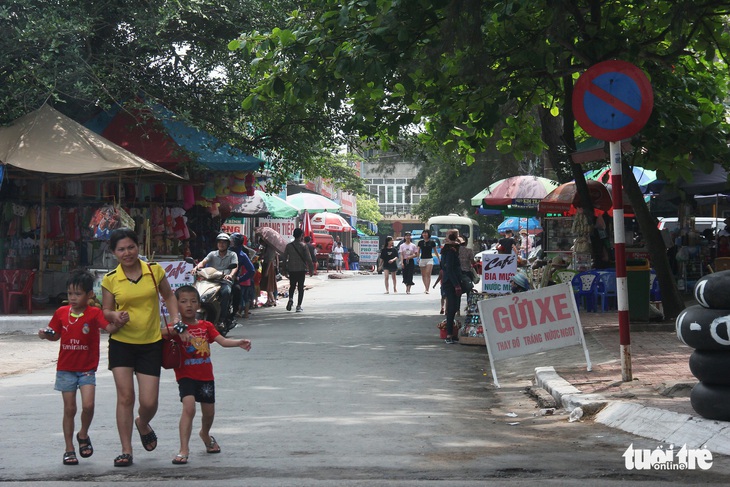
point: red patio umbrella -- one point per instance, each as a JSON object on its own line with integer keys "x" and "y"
{"x": 307, "y": 226}
{"x": 565, "y": 199}
{"x": 516, "y": 192}
{"x": 330, "y": 222}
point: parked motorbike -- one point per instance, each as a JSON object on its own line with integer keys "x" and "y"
{"x": 208, "y": 283}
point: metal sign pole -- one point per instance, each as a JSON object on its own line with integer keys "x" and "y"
{"x": 619, "y": 237}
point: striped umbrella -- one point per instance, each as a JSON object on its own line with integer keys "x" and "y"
{"x": 643, "y": 176}
{"x": 330, "y": 222}
{"x": 517, "y": 192}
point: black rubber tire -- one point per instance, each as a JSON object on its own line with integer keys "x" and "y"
{"x": 711, "y": 401}
{"x": 703, "y": 328}
{"x": 711, "y": 367}
{"x": 713, "y": 290}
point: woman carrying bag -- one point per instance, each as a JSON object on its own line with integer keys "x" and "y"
{"x": 130, "y": 295}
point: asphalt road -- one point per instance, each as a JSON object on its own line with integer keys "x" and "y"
{"x": 356, "y": 390}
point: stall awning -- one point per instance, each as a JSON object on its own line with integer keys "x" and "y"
{"x": 158, "y": 136}
{"x": 47, "y": 141}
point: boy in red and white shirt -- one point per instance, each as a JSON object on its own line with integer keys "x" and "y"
{"x": 195, "y": 377}
{"x": 77, "y": 326}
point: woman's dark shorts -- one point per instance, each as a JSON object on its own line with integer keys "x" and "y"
{"x": 144, "y": 359}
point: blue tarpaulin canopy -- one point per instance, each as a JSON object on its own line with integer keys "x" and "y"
{"x": 159, "y": 136}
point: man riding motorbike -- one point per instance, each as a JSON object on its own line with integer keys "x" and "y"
{"x": 225, "y": 261}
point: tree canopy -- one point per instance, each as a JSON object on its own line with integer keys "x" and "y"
{"x": 456, "y": 69}
{"x": 83, "y": 56}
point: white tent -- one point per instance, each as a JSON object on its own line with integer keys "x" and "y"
{"x": 48, "y": 141}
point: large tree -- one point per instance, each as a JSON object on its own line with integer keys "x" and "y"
{"x": 457, "y": 69}
{"x": 84, "y": 55}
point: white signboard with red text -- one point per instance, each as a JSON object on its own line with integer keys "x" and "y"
{"x": 232, "y": 225}
{"x": 497, "y": 270}
{"x": 285, "y": 226}
{"x": 531, "y": 322}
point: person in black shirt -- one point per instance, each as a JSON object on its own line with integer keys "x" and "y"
{"x": 507, "y": 244}
{"x": 427, "y": 248}
{"x": 389, "y": 257}
{"x": 451, "y": 283}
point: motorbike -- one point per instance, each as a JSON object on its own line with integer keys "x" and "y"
{"x": 208, "y": 283}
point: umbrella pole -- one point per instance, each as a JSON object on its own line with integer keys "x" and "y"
{"x": 42, "y": 241}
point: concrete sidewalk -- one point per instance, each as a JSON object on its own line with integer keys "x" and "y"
{"x": 655, "y": 404}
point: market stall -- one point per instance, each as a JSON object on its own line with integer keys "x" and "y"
{"x": 50, "y": 163}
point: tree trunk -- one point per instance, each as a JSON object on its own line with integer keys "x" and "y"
{"x": 672, "y": 300}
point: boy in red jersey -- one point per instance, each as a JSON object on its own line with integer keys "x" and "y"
{"x": 77, "y": 325}
{"x": 195, "y": 376}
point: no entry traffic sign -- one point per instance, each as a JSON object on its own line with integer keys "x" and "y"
{"x": 613, "y": 100}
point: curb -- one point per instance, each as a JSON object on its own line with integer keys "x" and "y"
{"x": 27, "y": 325}
{"x": 658, "y": 424}
{"x": 566, "y": 394}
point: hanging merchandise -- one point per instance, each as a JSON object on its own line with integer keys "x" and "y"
{"x": 108, "y": 218}
{"x": 238, "y": 185}
{"x": 250, "y": 182}
{"x": 188, "y": 197}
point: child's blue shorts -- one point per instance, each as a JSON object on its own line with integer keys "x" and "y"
{"x": 70, "y": 381}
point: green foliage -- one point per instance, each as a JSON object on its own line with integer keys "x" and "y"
{"x": 367, "y": 209}
{"x": 459, "y": 70}
{"x": 84, "y": 55}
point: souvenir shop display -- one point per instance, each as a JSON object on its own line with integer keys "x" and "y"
{"x": 472, "y": 331}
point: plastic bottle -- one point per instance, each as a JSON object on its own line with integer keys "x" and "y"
{"x": 575, "y": 415}
{"x": 547, "y": 411}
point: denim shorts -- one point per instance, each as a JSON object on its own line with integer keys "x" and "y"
{"x": 70, "y": 381}
{"x": 425, "y": 262}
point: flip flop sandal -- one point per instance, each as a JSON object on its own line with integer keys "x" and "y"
{"x": 147, "y": 439}
{"x": 213, "y": 446}
{"x": 69, "y": 458}
{"x": 123, "y": 460}
{"x": 85, "y": 447}
{"x": 180, "y": 460}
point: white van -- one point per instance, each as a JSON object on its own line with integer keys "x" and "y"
{"x": 701, "y": 223}
{"x": 468, "y": 228}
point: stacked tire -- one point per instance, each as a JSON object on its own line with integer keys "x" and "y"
{"x": 706, "y": 328}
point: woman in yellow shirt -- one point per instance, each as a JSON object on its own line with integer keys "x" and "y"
{"x": 130, "y": 296}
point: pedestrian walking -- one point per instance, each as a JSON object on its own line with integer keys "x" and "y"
{"x": 389, "y": 258}
{"x": 427, "y": 248}
{"x": 297, "y": 261}
{"x": 337, "y": 255}
{"x": 269, "y": 263}
{"x": 195, "y": 379}
{"x": 246, "y": 271}
{"x": 451, "y": 281}
{"x": 130, "y": 294}
{"x": 408, "y": 252}
{"x": 77, "y": 326}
